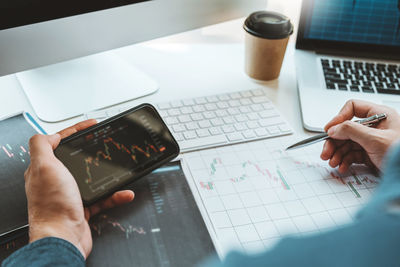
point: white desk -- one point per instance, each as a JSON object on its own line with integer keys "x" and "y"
{"x": 196, "y": 63}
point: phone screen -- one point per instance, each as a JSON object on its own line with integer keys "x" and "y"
{"x": 117, "y": 151}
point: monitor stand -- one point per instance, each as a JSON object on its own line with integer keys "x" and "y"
{"x": 69, "y": 89}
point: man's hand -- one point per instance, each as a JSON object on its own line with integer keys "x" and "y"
{"x": 355, "y": 143}
{"x": 55, "y": 207}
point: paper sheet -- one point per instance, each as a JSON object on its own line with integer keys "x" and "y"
{"x": 255, "y": 193}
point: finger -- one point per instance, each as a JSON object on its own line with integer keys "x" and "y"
{"x": 354, "y": 157}
{"x": 354, "y": 131}
{"x": 76, "y": 128}
{"x": 117, "y": 199}
{"x": 42, "y": 146}
{"x": 331, "y": 147}
{"x": 337, "y": 157}
{"x": 352, "y": 108}
{"x": 328, "y": 150}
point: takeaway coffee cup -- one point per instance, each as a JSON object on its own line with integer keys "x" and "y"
{"x": 267, "y": 36}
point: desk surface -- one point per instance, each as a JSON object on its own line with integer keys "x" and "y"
{"x": 200, "y": 62}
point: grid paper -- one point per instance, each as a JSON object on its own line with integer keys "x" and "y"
{"x": 255, "y": 193}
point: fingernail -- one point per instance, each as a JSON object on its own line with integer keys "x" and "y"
{"x": 332, "y": 130}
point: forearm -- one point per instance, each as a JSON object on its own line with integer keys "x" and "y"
{"x": 46, "y": 252}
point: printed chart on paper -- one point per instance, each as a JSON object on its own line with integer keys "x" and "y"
{"x": 255, "y": 193}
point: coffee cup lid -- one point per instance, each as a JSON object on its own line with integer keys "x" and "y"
{"x": 269, "y": 25}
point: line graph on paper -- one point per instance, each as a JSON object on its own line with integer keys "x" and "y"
{"x": 255, "y": 193}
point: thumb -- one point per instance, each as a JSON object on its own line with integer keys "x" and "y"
{"x": 350, "y": 130}
{"x": 54, "y": 140}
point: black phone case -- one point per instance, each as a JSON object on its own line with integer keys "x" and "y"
{"x": 142, "y": 173}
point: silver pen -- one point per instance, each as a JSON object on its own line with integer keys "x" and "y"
{"x": 370, "y": 121}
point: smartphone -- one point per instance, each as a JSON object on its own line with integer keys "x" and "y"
{"x": 116, "y": 152}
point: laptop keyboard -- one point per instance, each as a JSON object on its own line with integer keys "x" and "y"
{"x": 211, "y": 121}
{"x": 358, "y": 76}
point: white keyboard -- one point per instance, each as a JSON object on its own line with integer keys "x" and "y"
{"x": 216, "y": 120}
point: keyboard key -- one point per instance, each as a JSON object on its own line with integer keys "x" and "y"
{"x": 331, "y": 86}
{"x": 190, "y": 135}
{"x": 188, "y": 102}
{"x": 192, "y": 126}
{"x": 259, "y": 99}
{"x": 233, "y": 111}
{"x": 240, "y": 118}
{"x": 174, "y": 112}
{"x": 253, "y": 116}
{"x": 342, "y": 87}
{"x": 257, "y": 107}
{"x": 252, "y": 124}
{"x": 221, "y": 113}
{"x": 224, "y": 97}
{"x": 249, "y": 134}
{"x": 235, "y": 95}
{"x": 228, "y": 129}
{"x": 203, "y": 133}
{"x": 240, "y": 126}
{"x": 196, "y": 116}
{"x": 233, "y": 137}
{"x": 200, "y": 100}
{"x": 203, "y": 142}
{"x": 212, "y": 99}
{"x": 163, "y": 113}
{"x": 177, "y": 104}
{"x": 204, "y": 124}
{"x": 367, "y": 89}
{"x": 354, "y": 88}
{"x": 284, "y": 128}
{"x": 222, "y": 105}
{"x": 177, "y": 128}
{"x": 245, "y": 102}
{"x": 186, "y": 110}
{"x": 270, "y": 121}
{"x": 198, "y": 108}
{"x": 245, "y": 109}
{"x": 211, "y": 106}
{"x": 261, "y": 132}
{"x": 162, "y": 106}
{"x": 246, "y": 94}
{"x": 217, "y": 122}
{"x": 184, "y": 118}
{"x": 179, "y": 136}
{"x": 229, "y": 120}
{"x": 388, "y": 91}
{"x": 268, "y": 113}
{"x": 171, "y": 120}
{"x": 234, "y": 103}
{"x": 215, "y": 131}
{"x": 258, "y": 92}
{"x": 273, "y": 130}
{"x": 209, "y": 115}
{"x": 268, "y": 106}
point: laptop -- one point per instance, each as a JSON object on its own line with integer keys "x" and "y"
{"x": 347, "y": 49}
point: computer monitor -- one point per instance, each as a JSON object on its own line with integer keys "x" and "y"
{"x": 37, "y": 33}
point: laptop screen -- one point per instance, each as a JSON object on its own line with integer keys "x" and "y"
{"x": 368, "y": 22}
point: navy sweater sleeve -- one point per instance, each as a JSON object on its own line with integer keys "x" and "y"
{"x": 372, "y": 239}
{"x": 48, "y": 251}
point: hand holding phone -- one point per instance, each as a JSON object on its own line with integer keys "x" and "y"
{"x": 117, "y": 152}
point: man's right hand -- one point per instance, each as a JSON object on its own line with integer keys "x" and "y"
{"x": 352, "y": 142}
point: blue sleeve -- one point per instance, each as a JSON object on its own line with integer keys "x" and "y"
{"x": 48, "y": 251}
{"x": 373, "y": 239}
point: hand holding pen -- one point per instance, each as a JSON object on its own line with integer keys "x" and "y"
{"x": 351, "y": 142}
